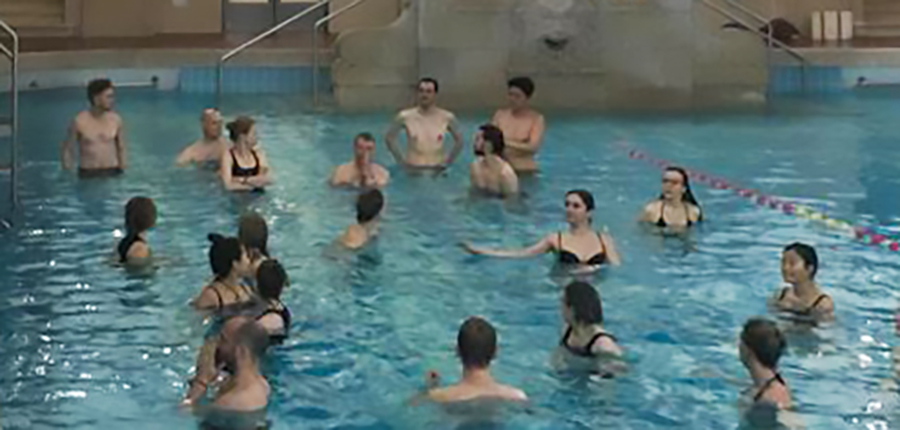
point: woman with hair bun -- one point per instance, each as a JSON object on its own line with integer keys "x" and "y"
{"x": 244, "y": 168}
{"x": 230, "y": 265}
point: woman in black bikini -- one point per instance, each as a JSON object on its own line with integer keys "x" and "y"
{"x": 230, "y": 264}
{"x": 244, "y": 168}
{"x": 580, "y": 246}
{"x": 276, "y": 317}
{"x": 676, "y": 206}
{"x": 799, "y": 264}
{"x": 140, "y": 216}
{"x": 760, "y": 348}
{"x": 582, "y": 311}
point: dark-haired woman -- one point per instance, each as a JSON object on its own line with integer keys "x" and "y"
{"x": 676, "y": 206}
{"x": 276, "y": 318}
{"x": 580, "y": 246}
{"x": 803, "y": 297}
{"x": 230, "y": 264}
{"x": 140, "y": 216}
{"x": 761, "y": 346}
{"x": 254, "y": 235}
{"x": 582, "y": 312}
{"x": 244, "y": 168}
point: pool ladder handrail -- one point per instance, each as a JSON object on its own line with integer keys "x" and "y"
{"x": 768, "y": 36}
{"x": 315, "y": 44}
{"x": 12, "y": 53}
{"x": 220, "y": 69}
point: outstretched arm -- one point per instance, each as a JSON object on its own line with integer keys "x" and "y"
{"x": 543, "y": 246}
{"x": 390, "y": 138}
{"x": 453, "y": 128}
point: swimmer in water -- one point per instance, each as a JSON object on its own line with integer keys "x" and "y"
{"x": 490, "y": 172}
{"x": 425, "y": 126}
{"x": 362, "y": 172}
{"x": 244, "y": 167}
{"x": 99, "y": 135}
{"x": 580, "y": 246}
{"x": 368, "y": 214}
{"x": 584, "y": 335}
{"x": 676, "y": 206}
{"x": 522, "y": 126}
{"x": 476, "y": 345}
{"x": 799, "y": 265}
{"x": 230, "y": 264}
{"x": 761, "y": 346}
{"x": 276, "y": 317}
{"x": 254, "y": 236}
{"x": 208, "y": 151}
{"x": 140, "y": 216}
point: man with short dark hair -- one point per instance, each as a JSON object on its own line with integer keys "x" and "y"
{"x": 368, "y": 211}
{"x": 490, "y": 172}
{"x": 476, "y": 345}
{"x": 425, "y": 126}
{"x": 98, "y": 132}
{"x": 207, "y": 151}
{"x": 247, "y": 390}
{"x": 362, "y": 171}
{"x": 522, "y": 125}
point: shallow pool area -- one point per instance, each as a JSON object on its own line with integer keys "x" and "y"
{"x": 89, "y": 345}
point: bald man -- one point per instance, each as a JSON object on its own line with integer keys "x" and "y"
{"x": 206, "y": 152}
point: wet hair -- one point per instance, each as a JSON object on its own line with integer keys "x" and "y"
{"x": 431, "y": 81}
{"x": 252, "y": 337}
{"x": 239, "y": 127}
{"x": 764, "y": 339}
{"x": 585, "y": 303}
{"x": 476, "y": 343}
{"x": 271, "y": 279}
{"x": 523, "y": 83}
{"x": 140, "y": 215}
{"x": 493, "y": 134}
{"x": 366, "y": 136}
{"x": 369, "y": 205}
{"x": 585, "y": 197}
{"x": 223, "y": 253}
{"x": 688, "y": 193}
{"x": 253, "y": 233}
{"x": 97, "y": 87}
{"x": 209, "y": 112}
{"x": 807, "y": 254}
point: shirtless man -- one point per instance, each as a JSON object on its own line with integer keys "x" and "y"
{"x": 368, "y": 214}
{"x": 490, "y": 172}
{"x": 425, "y": 125}
{"x": 98, "y": 132}
{"x": 362, "y": 172}
{"x": 206, "y": 152}
{"x": 476, "y": 346}
{"x": 522, "y": 126}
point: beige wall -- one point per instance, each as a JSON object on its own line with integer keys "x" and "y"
{"x": 371, "y": 14}
{"x": 196, "y": 16}
{"x": 122, "y": 18}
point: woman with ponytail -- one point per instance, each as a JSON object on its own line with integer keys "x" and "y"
{"x": 244, "y": 168}
{"x": 579, "y": 246}
{"x": 140, "y": 216}
{"x": 676, "y": 205}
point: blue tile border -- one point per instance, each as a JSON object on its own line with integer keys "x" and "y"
{"x": 253, "y": 80}
{"x": 825, "y": 80}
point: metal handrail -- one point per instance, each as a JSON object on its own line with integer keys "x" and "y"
{"x": 770, "y": 39}
{"x": 234, "y": 52}
{"x": 13, "y": 55}
{"x": 315, "y": 44}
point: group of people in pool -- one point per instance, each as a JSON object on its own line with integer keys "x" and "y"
{"x": 247, "y": 285}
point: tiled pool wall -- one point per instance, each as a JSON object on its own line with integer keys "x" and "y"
{"x": 236, "y": 79}
{"x": 823, "y": 80}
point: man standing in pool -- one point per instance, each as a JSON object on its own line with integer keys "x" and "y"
{"x": 425, "y": 126}
{"x": 362, "y": 171}
{"x": 98, "y": 132}
{"x": 208, "y": 151}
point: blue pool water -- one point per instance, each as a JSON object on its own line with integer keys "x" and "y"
{"x": 86, "y": 345}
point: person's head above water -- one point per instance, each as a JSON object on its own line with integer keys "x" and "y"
{"x": 520, "y": 91}
{"x": 369, "y": 205}
{"x": 242, "y": 130}
{"x": 364, "y": 147}
{"x": 101, "y": 94}
{"x": 427, "y": 90}
{"x": 227, "y": 256}
{"x": 489, "y": 140}
{"x": 271, "y": 280}
{"x": 476, "y": 343}
{"x": 211, "y": 121}
{"x": 799, "y": 263}
{"x": 582, "y": 305}
{"x": 676, "y": 185}
{"x": 254, "y": 233}
{"x": 579, "y": 207}
{"x": 140, "y": 215}
{"x": 761, "y": 342}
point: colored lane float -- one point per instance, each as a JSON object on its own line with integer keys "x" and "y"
{"x": 874, "y": 236}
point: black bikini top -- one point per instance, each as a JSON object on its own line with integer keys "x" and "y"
{"x": 243, "y": 172}
{"x": 584, "y": 351}
{"x": 767, "y": 385}
{"x": 281, "y": 310}
{"x": 125, "y": 245}
{"x": 568, "y": 257}
{"x": 811, "y": 308}
{"x": 661, "y": 222}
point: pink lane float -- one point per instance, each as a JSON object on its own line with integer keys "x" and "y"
{"x": 866, "y": 235}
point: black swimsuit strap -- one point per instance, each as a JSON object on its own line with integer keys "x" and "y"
{"x": 565, "y": 338}
{"x": 818, "y": 300}
{"x": 218, "y": 294}
{"x": 783, "y": 293}
{"x": 590, "y": 345}
{"x": 767, "y": 385}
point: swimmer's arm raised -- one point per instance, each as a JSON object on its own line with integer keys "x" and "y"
{"x": 390, "y": 138}
{"x": 543, "y": 246}
{"x": 453, "y": 128}
{"x": 67, "y": 145}
{"x": 121, "y": 147}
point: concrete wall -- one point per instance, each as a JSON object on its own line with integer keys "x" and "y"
{"x": 371, "y": 14}
{"x": 118, "y": 18}
{"x": 190, "y": 16}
